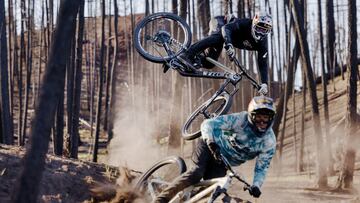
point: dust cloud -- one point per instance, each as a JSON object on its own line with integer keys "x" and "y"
{"x": 137, "y": 125}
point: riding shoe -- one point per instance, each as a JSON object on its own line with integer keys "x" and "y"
{"x": 191, "y": 61}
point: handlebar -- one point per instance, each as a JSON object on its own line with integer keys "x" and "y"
{"x": 237, "y": 176}
{"x": 243, "y": 72}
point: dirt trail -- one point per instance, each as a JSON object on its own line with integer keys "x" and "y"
{"x": 293, "y": 188}
{"x": 67, "y": 180}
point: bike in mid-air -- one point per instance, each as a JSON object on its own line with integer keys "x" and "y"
{"x": 161, "y": 38}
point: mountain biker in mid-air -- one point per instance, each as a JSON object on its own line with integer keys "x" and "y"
{"x": 249, "y": 34}
{"x": 238, "y": 137}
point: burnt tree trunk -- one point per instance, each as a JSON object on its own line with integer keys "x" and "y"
{"x": 6, "y": 119}
{"x": 101, "y": 79}
{"x": 108, "y": 72}
{"x": 70, "y": 92}
{"x": 21, "y": 138}
{"x": 325, "y": 96}
{"x": 203, "y": 10}
{"x": 346, "y": 176}
{"x": 241, "y": 9}
{"x": 302, "y": 126}
{"x": 58, "y": 132}
{"x": 75, "y": 137}
{"x": 27, "y": 185}
{"x": 113, "y": 73}
{"x": 300, "y": 30}
{"x": 177, "y": 85}
{"x": 28, "y": 70}
{"x": 330, "y": 30}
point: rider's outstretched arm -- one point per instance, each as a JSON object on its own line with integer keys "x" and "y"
{"x": 263, "y": 161}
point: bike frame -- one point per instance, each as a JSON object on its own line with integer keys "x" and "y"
{"x": 211, "y": 186}
{"x": 215, "y": 187}
{"x": 229, "y": 75}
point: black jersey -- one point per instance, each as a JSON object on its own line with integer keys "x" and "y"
{"x": 239, "y": 34}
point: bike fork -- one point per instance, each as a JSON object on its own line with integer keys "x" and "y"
{"x": 219, "y": 91}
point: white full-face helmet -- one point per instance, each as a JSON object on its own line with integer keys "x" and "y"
{"x": 261, "y": 26}
{"x": 261, "y": 105}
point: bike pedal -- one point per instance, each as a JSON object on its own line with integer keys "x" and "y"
{"x": 176, "y": 65}
{"x": 166, "y": 67}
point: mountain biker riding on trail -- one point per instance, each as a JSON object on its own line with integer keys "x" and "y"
{"x": 239, "y": 137}
{"x": 248, "y": 34}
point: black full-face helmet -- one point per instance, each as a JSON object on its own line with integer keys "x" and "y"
{"x": 261, "y": 26}
{"x": 261, "y": 105}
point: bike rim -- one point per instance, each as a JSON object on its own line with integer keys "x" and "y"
{"x": 159, "y": 179}
{"x": 159, "y": 30}
{"x": 213, "y": 110}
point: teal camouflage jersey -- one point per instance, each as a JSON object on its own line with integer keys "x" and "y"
{"x": 239, "y": 143}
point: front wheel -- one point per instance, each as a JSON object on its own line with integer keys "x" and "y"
{"x": 219, "y": 106}
{"x": 160, "y": 175}
{"x": 160, "y": 37}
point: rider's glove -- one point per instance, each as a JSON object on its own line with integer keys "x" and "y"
{"x": 263, "y": 89}
{"x": 215, "y": 151}
{"x": 230, "y": 51}
{"x": 254, "y": 191}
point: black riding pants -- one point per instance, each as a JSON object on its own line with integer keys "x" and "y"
{"x": 212, "y": 45}
{"x": 205, "y": 167}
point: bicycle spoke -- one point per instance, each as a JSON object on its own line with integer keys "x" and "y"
{"x": 159, "y": 37}
{"x": 192, "y": 126}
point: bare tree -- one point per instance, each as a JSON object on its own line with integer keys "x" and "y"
{"x": 21, "y": 139}
{"x": 113, "y": 73}
{"x": 330, "y": 30}
{"x": 58, "y": 131}
{"x": 70, "y": 67}
{"x": 27, "y": 185}
{"x": 177, "y": 85}
{"x": 101, "y": 79}
{"x": 241, "y": 9}
{"x": 203, "y": 10}
{"x": 302, "y": 127}
{"x": 75, "y": 137}
{"x": 228, "y": 7}
{"x": 11, "y": 49}
{"x": 29, "y": 57}
{"x": 299, "y": 24}
{"x": 6, "y": 119}
{"x": 345, "y": 179}
{"x": 324, "y": 89}
{"x": 108, "y": 70}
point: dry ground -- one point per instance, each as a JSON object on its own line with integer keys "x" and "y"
{"x": 64, "y": 180}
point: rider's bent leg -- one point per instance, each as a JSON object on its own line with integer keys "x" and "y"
{"x": 214, "y": 40}
{"x": 205, "y": 167}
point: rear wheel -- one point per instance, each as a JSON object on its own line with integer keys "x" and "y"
{"x": 161, "y": 36}
{"x": 219, "y": 106}
{"x": 160, "y": 175}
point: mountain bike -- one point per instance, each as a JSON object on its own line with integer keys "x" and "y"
{"x": 161, "y": 38}
{"x": 210, "y": 190}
